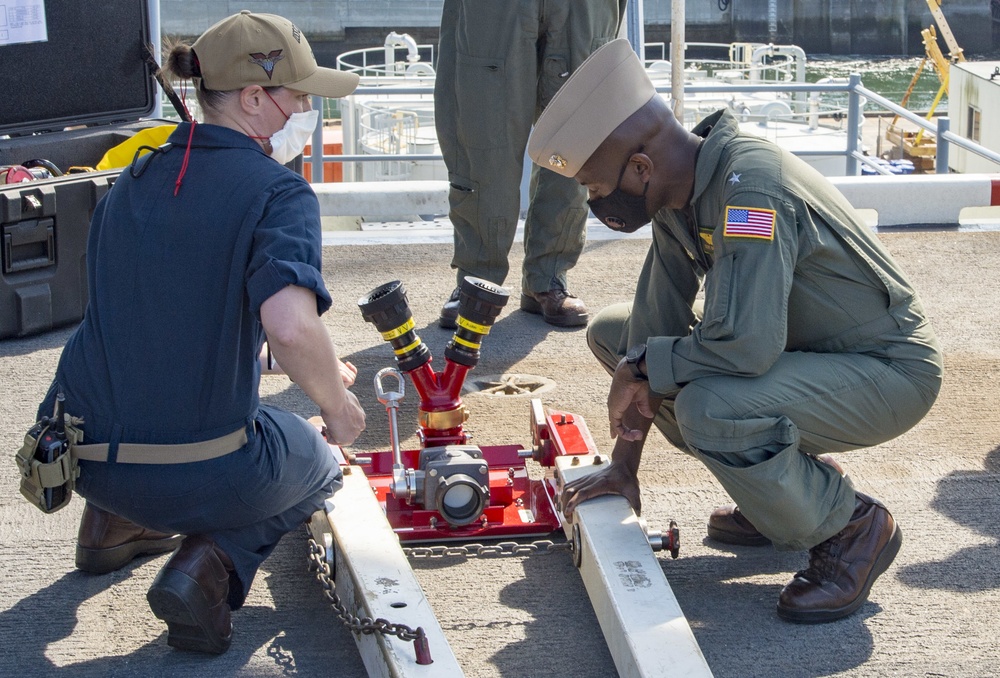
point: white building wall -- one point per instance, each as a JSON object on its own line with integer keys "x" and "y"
{"x": 970, "y": 86}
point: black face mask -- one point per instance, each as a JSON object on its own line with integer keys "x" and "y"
{"x": 620, "y": 211}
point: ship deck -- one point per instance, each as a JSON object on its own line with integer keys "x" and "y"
{"x": 932, "y": 613}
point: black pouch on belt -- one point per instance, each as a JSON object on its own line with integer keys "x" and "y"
{"x": 45, "y": 461}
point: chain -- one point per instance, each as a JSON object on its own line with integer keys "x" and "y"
{"x": 503, "y": 548}
{"x": 365, "y": 625}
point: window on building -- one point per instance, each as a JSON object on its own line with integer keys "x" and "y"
{"x": 972, "y": 132}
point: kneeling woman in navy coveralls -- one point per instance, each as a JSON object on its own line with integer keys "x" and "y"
{"x": 202, "y": 249}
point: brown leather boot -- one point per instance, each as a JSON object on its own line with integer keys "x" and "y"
{"x": 190, "y": 593}
{"x": 729, "y": 526}
{"x": 107, "y": 542}
{"x": 843, "y": 568}
{"x": 557, "y": 306}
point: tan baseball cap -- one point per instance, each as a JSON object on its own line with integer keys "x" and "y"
{"x": 601, "y": 94}
{"x": 267, "y": 50}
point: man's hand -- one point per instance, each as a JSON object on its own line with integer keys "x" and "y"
{"x": 625, "y": 392}
{"x": 612, "y": 479}
{"x": 631, "y": 406}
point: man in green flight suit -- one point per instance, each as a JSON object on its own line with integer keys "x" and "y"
{"x": 810, "y": 339}
{"x": 499, "y": 64}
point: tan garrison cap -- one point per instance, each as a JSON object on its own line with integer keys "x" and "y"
{"x": 267, "y": 50}
{"x": 601, "y": 94}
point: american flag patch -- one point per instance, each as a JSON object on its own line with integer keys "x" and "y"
{"x": 750, "y": 222}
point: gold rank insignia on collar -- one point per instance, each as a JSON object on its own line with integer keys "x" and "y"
{"x": 557, "y": 160}
{"x": 705, "y": 232}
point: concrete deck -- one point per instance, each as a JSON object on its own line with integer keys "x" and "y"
{"x": 932, "y": 613}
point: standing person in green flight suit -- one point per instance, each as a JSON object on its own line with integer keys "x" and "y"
{"x": 810, "y": 340}
{"x": 499, "y": 65}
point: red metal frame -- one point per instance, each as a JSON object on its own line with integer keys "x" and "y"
{"x": 520, "y": 506}
{"x": 440, "y": 392}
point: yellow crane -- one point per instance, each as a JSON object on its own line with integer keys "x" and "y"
{"x": 915, "y": 144}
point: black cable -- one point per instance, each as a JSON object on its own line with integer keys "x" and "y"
{"x": 157, "y": 73}
{"x": 46, "y": 164}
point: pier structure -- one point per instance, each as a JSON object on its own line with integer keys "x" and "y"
{"x": 823, "y": 27}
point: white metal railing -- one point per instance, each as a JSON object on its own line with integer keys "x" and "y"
{"x": 417, "y": 63}
{"x": 858, "y": 96}
{"x": 385, "y": 133}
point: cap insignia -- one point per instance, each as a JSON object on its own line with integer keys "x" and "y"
{"x": 557, "y": 160}
{"x": 267, "y": 61}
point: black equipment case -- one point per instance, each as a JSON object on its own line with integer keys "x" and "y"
{"x": 66, "y": 100}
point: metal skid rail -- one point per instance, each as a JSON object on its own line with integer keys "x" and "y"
{"x": 374, "y": 581}
{"x": 643, "y": 625}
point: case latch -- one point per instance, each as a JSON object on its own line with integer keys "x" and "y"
{"x": 29, "y": 245}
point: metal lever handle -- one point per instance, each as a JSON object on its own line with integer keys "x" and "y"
{"x": 391, "y": 401}
{"x": 400, "y": 486}
{"x": 389, "y": 398}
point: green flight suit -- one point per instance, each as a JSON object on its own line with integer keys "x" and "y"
{"x": 811, "y": 339}
{"x": 499, "y": 65}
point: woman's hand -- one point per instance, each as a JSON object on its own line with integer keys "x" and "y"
{"x": 348, "y": 372}
{"x": 344, "y": 426}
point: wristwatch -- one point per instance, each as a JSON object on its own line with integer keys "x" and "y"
{"x": 636, "y": 355}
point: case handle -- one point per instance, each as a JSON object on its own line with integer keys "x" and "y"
{"x": 28, "y": 245}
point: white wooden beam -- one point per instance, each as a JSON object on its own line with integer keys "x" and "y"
{"x": 642, "y": 622}
{"x": 899, "y": 200}
{"x": 374, "y": 579}
{"x": 376, "y": 199}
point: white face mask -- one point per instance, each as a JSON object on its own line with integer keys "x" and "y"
{"x": 289, "y": 141}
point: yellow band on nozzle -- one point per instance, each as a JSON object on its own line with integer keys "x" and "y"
{"x": 464, "y": 342}
{"x": 399, "y": 331}
{"x": 475, "y": 327}
{"x": 407, "y": 349}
